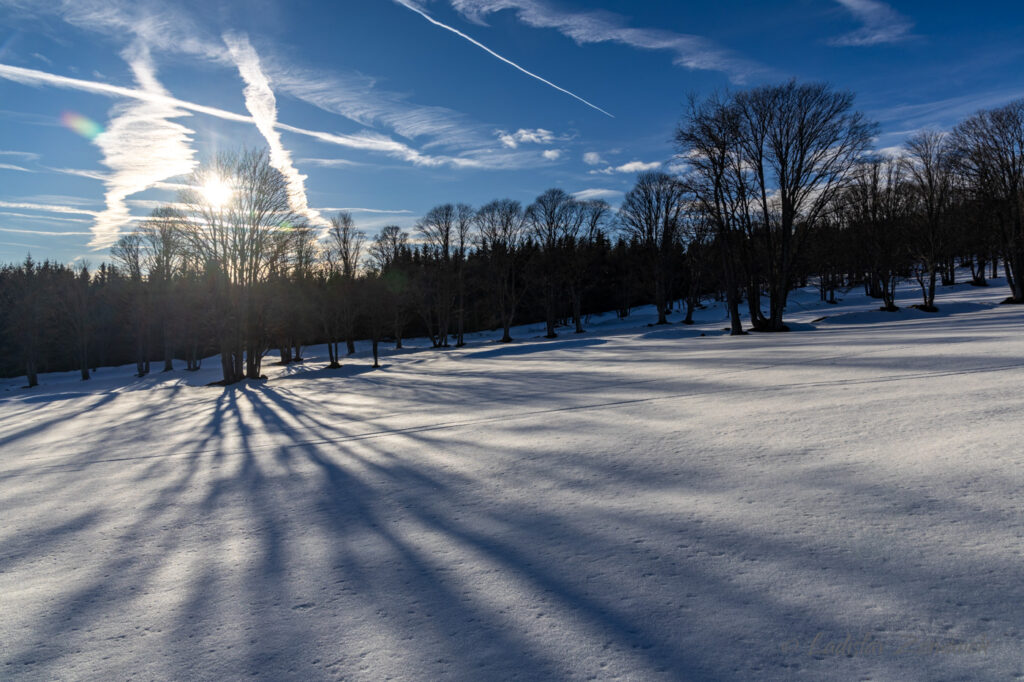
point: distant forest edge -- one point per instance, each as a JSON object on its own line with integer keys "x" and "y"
{"x": 780, "y": 187}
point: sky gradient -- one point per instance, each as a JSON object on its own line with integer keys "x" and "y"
{"x": 388, "y": 107}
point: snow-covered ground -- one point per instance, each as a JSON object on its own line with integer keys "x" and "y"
{"x": 841, "y": 502}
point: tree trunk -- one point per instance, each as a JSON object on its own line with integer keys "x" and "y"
{"x": 659, "y": 299}
{"x": 30, "y": 372}
{"x": 577, "y": 309}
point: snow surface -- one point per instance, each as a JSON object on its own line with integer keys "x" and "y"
{"x": 633, "y": 503}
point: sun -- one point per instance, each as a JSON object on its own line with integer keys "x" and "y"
{"x": 216, "y": 191}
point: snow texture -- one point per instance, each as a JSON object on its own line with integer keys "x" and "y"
{"x": 842, "y": 502}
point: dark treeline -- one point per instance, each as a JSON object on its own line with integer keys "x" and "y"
{"x": 780, "y": 189}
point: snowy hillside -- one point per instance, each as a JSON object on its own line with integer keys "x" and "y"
{"x": 842, "y": 502}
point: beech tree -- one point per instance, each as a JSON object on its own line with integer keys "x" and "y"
{"x": 500, "y": 229}
{"x": 651, "y": 215}
{"x": 238, "y": 221}
{"x": 988, "y": 151}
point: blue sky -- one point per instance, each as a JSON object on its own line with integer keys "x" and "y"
{"x": 388, "y": 107}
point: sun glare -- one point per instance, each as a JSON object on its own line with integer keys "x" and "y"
{"x": 216, "y": 191}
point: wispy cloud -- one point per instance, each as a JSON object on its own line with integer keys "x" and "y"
{"x": 174, "y": 29}
{"x": 689, "y": 51}
{"x": 592, "y": 159}
{"x": 354, "y": 209}
{"x": 911, "y": 118}
{"x": 330, "y": 163}
{"x": 43, "y": 233}
{"x": 261, "y": 103}
{"x": 81, "y": 173}
{"x": 552, "y": 154}
{"x": 28, "y": 156}
{"x": 597, "y": 193}
{"x": 881, "y": 24}
{"x": 419, "y": 10}
{"x": 47, "y": 208}
{"x": 48, "y": 218}
{"x": 12, "y": 167}
{"x": 142, "y": 146}
{"x": 365, "y": 141}
{"x": 525, "y": 136}
{"x": 631, "y": 167}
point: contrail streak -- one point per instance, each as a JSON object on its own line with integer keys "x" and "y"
{"x": 368, "y": 142}
{"x": 491, "y": 52}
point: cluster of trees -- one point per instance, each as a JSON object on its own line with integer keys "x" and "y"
{"x": 780, "y": 187}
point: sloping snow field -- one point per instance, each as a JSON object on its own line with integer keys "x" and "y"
{"x": 842, "y": 502}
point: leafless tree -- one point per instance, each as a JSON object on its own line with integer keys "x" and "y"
{"x": 876, "y": 206}
{"x": 161, "y": 246}
{"x": 801, "y": 143}
{"x": 463, "y": 237}
{"x": 708, "y": 143}
{"x": 988, "y": 151}
{"x": 650, "y": 214}
{"x": 128, "y": 252}
{"x": 387, "y": 250}
{"x": 552, "y": 220}
{"x": 345, "y": 251}
{"x": 500, "y": 230}
{"x": 929, "y": 169}
{"x": 238, "y": 220}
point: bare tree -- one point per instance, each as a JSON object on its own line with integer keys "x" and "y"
{"x": 161, "y": 246}
{"x": 930, "y": 172}
{"x": 438, "y": 228}
{"x": 128, "y": 252}
{"x": 552, "y": 218}
{"x": 801, "y": 143}
{"x": 651, "y": 214}
{"x": 345, "y": 250}
{"x": 500, "y": 230}
{"x": 386, "y": 253}
{"x": 717, "y": 178}
{"x": 592, "y": 217}
{"x": 876, "y": 206}
{"x": 464, "y": 214}
{"x": 989, "y": 153}
{"x": 238, "y": 220}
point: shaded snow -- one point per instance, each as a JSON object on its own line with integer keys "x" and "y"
{"x": 636, "y": 502}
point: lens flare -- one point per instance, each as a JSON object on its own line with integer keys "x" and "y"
{"x": 216, "y": 191}
{"x": 83, "y": 125}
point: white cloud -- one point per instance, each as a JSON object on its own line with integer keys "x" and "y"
{"x": 419, "y": 10}
{"x": 47, "y": 208}
{"x": 525, "y": 136}
{"x": 12, "y": 167}
{"x": 28, "y": 156}
{"x": 261, "y": 103}
{"x": 141, "y": 145}
{"x": 174, "y": 29}
{"x": 48, "y": 218}
{"x": 881, "y": 24}
{"x": 690, "y": 51}
{"x": 81, "y": 172}
{"x": 631, "y": 167}
{"x": 592, "y": 159}
{"x": 330, "y": 163}
{"x": 366, "y": 141}
{"x": 552, "y": 154}
{"x": 597, "y": 193}
{"x": 43, "y": 233}
{"x": 365, "y": 210}
{"x": 894, "y": 152}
